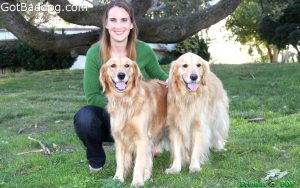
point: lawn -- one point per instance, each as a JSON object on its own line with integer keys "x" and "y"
{"x": 42, "y": 104}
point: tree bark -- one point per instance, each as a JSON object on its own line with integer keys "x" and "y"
{"x": 298, "y": 52}
{"x": 167, "y": 30}
{"x": 275, "y": 54}
{"x": 269, "y": 53}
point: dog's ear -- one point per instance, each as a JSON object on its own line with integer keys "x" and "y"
{"x": 103, "y": 77}
{"x": 172, "y": 73}
{"x": 206, "y": 70}
{"x": 136, "y": 73}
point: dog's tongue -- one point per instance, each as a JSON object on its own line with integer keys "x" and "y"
{"x": 121, "y": 85}
{"x": 193, "y": 86}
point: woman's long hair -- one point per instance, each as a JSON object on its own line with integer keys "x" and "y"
{"x": 105, "y": 38}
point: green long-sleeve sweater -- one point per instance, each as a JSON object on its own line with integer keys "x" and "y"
{"x": 145, "y": 59}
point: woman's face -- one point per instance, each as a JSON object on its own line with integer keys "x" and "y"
{"x": 118, "y": 24}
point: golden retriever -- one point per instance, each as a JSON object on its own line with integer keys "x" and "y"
{"x": 138, "y": 112}
{"x": 197, "y": 112}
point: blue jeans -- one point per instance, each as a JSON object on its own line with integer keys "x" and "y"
{"x": 92, "y": 125}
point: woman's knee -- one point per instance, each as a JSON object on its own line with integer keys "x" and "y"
{"x": 87, "y": 119}
{"x": 92, "y": 122}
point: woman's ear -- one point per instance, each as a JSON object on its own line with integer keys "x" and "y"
{"x": 103, "y": 77}
{"x": 105, "y": 24}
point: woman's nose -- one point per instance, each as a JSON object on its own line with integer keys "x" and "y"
{"x": 118, "y": 23}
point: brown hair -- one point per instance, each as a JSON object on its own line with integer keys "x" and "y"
{"x": 105, "y": 38}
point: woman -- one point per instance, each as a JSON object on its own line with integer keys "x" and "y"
{"x": 119, "y": 38}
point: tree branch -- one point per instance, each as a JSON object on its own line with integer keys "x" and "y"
{"x": 140, "y": 7}
{"x": 156, "y": 6}
{"x": 173, "y": 30}
{"x": 90, "y": 16}
{"x": 93, "y": 16}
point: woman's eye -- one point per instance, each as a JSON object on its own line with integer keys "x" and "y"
{"x": 124, "y": 19}
{"x": 126, "y": 65}
{"x": 199, "y": 65}
{"x": 112, "y": 19}
{"x": 185, "y": 65}
{"x": 113, "y": 65}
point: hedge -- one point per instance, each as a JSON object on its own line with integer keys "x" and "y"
{"x": 21, "y": 55}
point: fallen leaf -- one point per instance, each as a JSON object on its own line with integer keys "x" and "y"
{"x": 274, "y": 174}
{"x": 59, "y": 121}
{"x": 279, "y": 150}
{"x": 4, "y": 142}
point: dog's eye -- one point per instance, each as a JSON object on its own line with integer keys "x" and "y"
{"x": 185, "y": 65}
{"x": 126, "y": 65}
{"x": 199, "y": 65}
{"x": 113, "y": 65}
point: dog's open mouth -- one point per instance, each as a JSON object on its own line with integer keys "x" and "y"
{"x": 120, "y": 85}
{"x": 192, "y": 86}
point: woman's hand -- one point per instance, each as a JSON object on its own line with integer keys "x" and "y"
{"x": 165, "y": 83}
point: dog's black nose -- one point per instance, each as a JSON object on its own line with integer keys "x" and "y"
{"x": 193, "y": 77}
{"x": 121, "y": 75}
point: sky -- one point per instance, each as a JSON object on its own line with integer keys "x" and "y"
{"x": 223, "y": 50}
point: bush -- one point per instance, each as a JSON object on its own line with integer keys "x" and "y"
{"x": 193, "y": 44}
{"x": 171, "y": 56}
{"x": 8, "y": 58}
{"x": 21, "y": 55}
{"x": 196, "y": 45}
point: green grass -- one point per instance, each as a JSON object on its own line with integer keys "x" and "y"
{"x": 42, "y": 104}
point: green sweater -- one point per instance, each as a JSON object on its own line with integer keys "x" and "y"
{"x": 145, "y": 59}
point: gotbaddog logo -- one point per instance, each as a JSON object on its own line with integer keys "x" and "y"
{"x": 287, "y": 183}
{"x": 6, "y": 7}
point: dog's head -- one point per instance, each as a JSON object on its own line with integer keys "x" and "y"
{"x": 188, "y": 73}
{"x": 119, "y": 74}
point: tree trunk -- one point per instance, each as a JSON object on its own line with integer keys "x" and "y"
{"x": 273, "y": 53}
{"x": 298, "y": 53}
{"x": 269, "y": 53}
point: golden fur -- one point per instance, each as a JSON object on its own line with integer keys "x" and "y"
{"x": 197, "y": 112}
{"x": 138, "y": 114}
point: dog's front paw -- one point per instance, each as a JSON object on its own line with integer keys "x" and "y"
{"x": 137, "y": 183}
{"x": 194, "y": 169}
{"x": 219, "y": 146}
{"x": 147, "y": 174}
{"x": 173, "y": 170}
{"x": 118, "y": 178}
